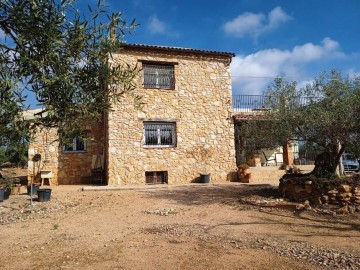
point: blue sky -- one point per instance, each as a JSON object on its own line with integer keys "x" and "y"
{"x": 296, "y": 39}
{"x": 292, "y": 38}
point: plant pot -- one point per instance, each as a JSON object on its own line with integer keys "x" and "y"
{"x": 245, "y": 178}
{"x": 35, "y": 188}
{"x": 205, "y": 178}
{"x": 44, "y": 194}
{"x": 7, "y": 193}
{"x": 2, "y": 195}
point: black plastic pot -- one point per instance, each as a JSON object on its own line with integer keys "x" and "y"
{"x": 2, "y": 195}
{"x": 7, "y": 193}
{"x": 204, "y": 178}
{"x": 44, "y": 194}
{"x": 34, "y": 189}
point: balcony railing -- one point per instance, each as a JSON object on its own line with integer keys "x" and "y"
{"x": 262, "y": 103}
{"x": 251, "y": 103}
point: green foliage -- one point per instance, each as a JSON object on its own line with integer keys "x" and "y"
{"x": 258, "y": 134}
{"x": 243, "y": 166}
{"x": 64, "y": 58}
{"x": 13, "y": 131}
{"x": 2, "y": 155}
{"x": 325, "y": 114}
{"x": 6, "y": 183}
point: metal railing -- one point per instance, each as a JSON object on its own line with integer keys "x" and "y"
{"x": 262, "y": 103}
{"x": 158, "y": 76}
{"x": 251, "y": 103}
{"x": 305, "y": 157}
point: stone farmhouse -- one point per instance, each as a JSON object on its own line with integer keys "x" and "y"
{"x": 184, "y": 128}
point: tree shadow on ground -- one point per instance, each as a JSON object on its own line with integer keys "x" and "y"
{"x": 308, "y": 219}
{"x": 237, "y": 195}
{"x": 203, "y": 194}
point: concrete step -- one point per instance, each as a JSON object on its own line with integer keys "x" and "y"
{"x": 258, "y": 176}
{"x": 272, "y": 174}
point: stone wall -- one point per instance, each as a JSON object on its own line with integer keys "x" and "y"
{"x": 44, "y": 142}
{"x": 200, "y": 105}
{"x": 67, "y": 167}
{"x": 301, "y": 190}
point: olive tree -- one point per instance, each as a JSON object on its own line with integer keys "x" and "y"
{"x": 13, "y": 131}
{"x": 62, "y": 56}
{"x": 324, "y": 114}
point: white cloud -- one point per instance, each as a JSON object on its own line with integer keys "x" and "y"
{"x": 244, "y": 24}
{"x": 276, "y": 17}
{"x": 156, "y": 26}
{"x": 255, "y": 24}
{"x": 252, "y": 73}
{"x": 353, "y": 73}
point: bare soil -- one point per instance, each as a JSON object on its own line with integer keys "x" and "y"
{"x": 173, "y": 227}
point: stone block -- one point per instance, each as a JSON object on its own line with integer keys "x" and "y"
{"x": 344, "y": 188}
{"x": 325, "y": 198}
{"x": 299, "y": 189}
{"x": 308, "y": 188}
{"x": 344, "y": 195}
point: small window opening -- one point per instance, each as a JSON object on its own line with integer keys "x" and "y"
{"x": 160, "y": 177}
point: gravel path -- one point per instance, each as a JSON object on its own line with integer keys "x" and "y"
{"x": 203, "y": 227}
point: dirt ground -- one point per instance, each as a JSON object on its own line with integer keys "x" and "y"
{"x": 194, "y": 226}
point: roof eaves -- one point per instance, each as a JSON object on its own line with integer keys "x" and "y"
{"x": 178, "y": 49}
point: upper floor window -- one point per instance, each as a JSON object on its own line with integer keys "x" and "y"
{"x": 78, "y": 145}
{"x": 159, "y": 76}
{"x": 160, "y": 134}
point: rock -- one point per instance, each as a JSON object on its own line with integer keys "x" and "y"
{"x": 344, "y": 195}
{"x": 308, "y": 188}
{"x": 325, "y": 198}
{"x": 317, "y": 200}
{"x": 300, "y": 207}
{"x": 352, "y": 209}
{"x": 343, "y": 210}
{"x": 299, "y": 189}
{"x": 345, "y": 188}
{"x": 307, "y": 205}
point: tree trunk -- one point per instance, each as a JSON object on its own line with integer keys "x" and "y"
{"x": 325, "y": 164}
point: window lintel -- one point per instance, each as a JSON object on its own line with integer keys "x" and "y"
{"x": 155, "y": 62}
{"x": 161, "y": 120}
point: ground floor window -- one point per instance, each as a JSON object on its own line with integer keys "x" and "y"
{"x": 77, "y": 145}
{"x": 156, "y": 177}
{"x": 159, "y": 133}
